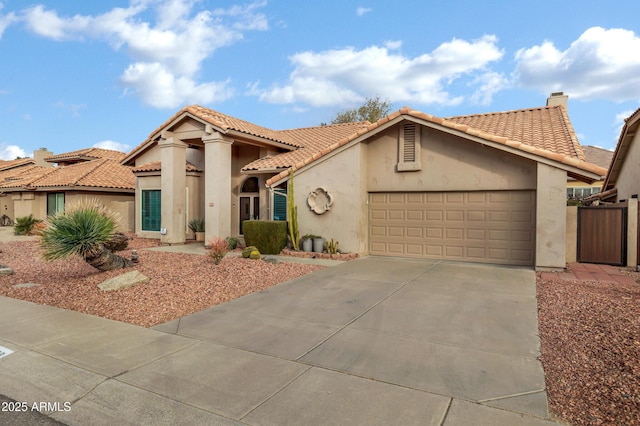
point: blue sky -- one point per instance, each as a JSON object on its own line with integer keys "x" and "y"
{"x": 76, "y": 74}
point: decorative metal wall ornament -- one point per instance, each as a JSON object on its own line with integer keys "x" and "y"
{"x": 319, "y": 200}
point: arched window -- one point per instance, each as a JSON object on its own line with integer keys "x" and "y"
{"x": 250, "y": 185}
{"x": 249, "y": 200}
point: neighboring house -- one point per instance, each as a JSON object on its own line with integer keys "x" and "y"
{"x": 623, "y": 179}
{"x": 482, "y": 188}
{"x": 578, "y": 190}
{"x": 42, "y": 191}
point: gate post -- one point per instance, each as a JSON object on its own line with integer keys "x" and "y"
{"x": 632, "y": 232}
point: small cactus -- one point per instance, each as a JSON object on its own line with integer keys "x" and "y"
{"x": 246, "y": 252}
{"x": 255, "y": 255}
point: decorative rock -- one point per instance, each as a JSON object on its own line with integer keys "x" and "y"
{"x": 26, "y": 285}
{"x": 127, "y": 280}
{"x": 270, "y": 259}
{"x": 5, "y": 270}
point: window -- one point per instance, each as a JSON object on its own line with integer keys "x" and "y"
{"x": 409, "y": 147}
{"x": 151, "y": 209}
{"x": 580, "y": 192}
{"x": 55, "y": 203}
{"x": 280, "y": 204}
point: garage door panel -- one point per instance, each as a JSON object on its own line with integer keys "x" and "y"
{"x": 482, "y": 226}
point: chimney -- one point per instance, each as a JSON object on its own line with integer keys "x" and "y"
{"x": 40, "y": 154}
{"x": 558, "y": 98}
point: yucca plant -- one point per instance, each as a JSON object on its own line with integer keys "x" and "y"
{"x": 83, "y": 230}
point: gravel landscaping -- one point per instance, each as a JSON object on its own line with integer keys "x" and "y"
{"x": 180, "y": 283}
{"x": 589, "y": 331}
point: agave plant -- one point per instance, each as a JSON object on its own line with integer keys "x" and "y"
{"x": 83, "y": 229}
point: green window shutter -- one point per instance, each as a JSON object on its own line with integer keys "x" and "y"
{"x": 280, "y": 204}
{"x": 151, "y": 209}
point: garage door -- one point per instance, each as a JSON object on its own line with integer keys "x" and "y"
{"x": 483, "y": 226}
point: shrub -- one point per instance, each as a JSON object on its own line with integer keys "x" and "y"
{"x": 233, "y": 242}
{"x": 24, "y": 225}
{"x": 196, "y": 225}
{"x": 218, "y": 248}
{"x": 268, "y": 236}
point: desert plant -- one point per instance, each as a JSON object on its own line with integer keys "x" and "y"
{"x": 246, "y": 252}
{"x": 332, "y": 246}
{"x": 24, "y": 225}
{"x": 293, "y": 214}
{"x": 218, "y": 248}
{"x": 255, "y": 255}
{"x": 232, "y": 242}
{"x": 83, "y": 229}
{"x": 196, "y": 225}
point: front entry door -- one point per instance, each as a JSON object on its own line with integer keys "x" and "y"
{"x": 249, "y": 208}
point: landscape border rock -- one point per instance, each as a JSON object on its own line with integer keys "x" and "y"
{"x": 127, "y": 280}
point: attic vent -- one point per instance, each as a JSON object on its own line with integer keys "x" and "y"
{"x": 409, "y": 143}
{"x": 409, "y": 147}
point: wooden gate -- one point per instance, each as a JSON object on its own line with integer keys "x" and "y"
{"x": 602, "y": 235}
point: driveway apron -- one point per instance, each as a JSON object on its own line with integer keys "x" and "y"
{"x": 445, "y": 338}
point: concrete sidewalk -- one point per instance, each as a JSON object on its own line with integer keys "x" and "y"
{"x": 371, "y": 341}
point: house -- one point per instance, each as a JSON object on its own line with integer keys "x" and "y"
{"x": 623, "y": 178}
{"x": 578, "y": 190}
{"x": 94, "y": 173}
{"x": 482, "y": 188}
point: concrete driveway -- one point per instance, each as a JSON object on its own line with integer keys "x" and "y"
{"x": 371, "y": 341}
{"x": 433, "y": 340}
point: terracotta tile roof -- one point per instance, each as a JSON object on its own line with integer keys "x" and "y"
{"x": 101, "y": 173}
{"x": 314, "y": 141}
{"x": 156, "y": 166}
{"x": 547, "y": 128}
{"x": 10, "y": 164}
{"x": 21, "y": 177}
{"x": 598, "y": 156}
{"x": 222, "y": 122}
{"x": 532, "y": 129}
{"x": 86, "y": 154}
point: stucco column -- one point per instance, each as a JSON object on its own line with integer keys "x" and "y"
{"x": 632, "y": 232}
{"x": 173, "y": 182}
{"x": 217, "y": 185}
{"x": 551, "y": 218}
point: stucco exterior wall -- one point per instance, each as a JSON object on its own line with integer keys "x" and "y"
{"x": 448, "y": 163}
{"x": 628, "y": 182}
{"x": 6, "y": 205}
{"x": 242, "y": 155}
{"x": 149, "y": 156}
{"x": 551, "y": 218}
{"x": 572, "y": 234}
{"x": 36, "y": 203}
{"x": 346, "y": 221}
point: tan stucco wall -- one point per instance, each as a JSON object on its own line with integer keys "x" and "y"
{"x": 6, "y": 205}
{"x": 551, "y": 218}
{"x": 343, "y": 177}
{"x": 448, "y": 163}
{"x": 572, "y": 234}
{"x": 628, "y": 182}
{"x": 632, "y": 232}
{"x": 36, "y": 203}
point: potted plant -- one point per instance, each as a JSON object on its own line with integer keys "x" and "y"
{"x": 307, "y": 242}
{"x": 197, "y": 226}
{"x": 318, "y": 244}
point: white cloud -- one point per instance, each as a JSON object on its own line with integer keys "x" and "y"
{"x": 363, "y": 10}
{"x": 166, "y": 53}
{"x": 346, "y": 76}
{"x": 74, "y": 109}
{"x": 116, "y": 146}
{"x": 6, "y": 20}
{"x": 157, "y": 86}
{"x": 11, "y": 152}
{"x": 600, "y": 64}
